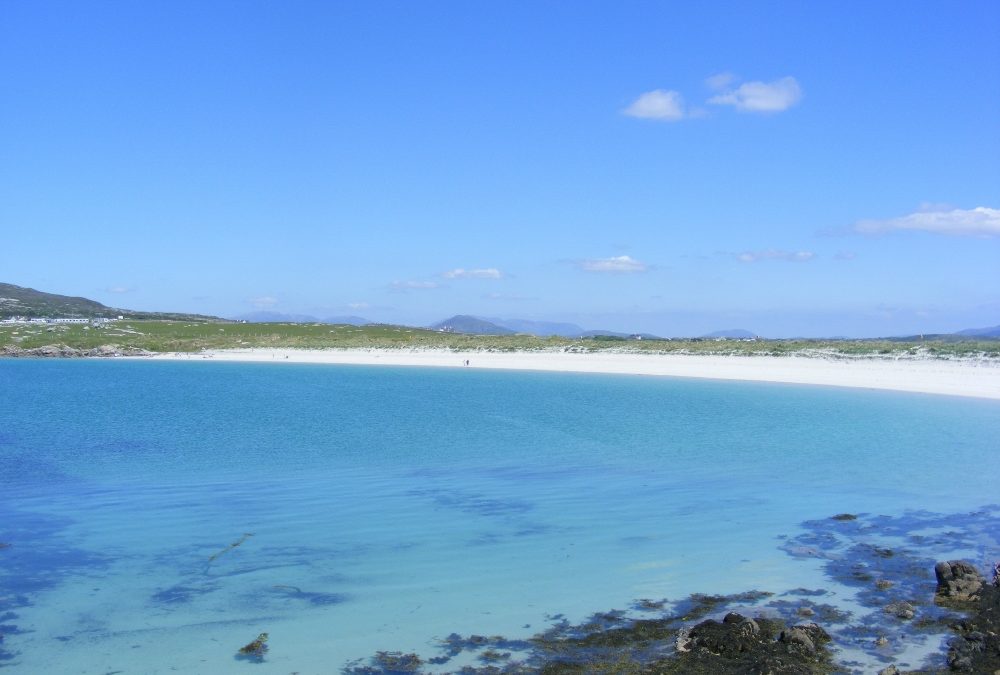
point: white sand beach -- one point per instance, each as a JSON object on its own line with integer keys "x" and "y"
{"x": 974, "y": 378}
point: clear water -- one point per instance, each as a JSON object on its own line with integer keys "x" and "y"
{"x": 390, "y": 507}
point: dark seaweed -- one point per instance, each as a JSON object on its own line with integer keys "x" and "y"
{"x": 312, "y": 597}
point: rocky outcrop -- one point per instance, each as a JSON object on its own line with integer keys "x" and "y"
{"x": 65, "y": 352}
{"x": 976, "y": 649}
{"x": 739, "y": 644}
{"x": 957, "y": 582}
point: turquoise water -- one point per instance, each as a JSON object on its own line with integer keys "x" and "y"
{"x": 391, "y": 507}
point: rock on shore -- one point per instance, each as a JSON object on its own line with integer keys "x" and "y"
{"x": 739, "y": 644}
{"x": 63, "y": 351}
{"x": 957, "y": 582}
{"x": 976, "y": 648}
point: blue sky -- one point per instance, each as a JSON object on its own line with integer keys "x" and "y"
{"x": 789, "y": 168}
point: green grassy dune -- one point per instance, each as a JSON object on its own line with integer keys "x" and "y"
{"x": 181, "y": 336}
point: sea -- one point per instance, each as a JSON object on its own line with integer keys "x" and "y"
{"x": 157, "y": 517}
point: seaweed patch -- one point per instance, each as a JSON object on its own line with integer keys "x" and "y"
{"x": 254, "y": 650}
{"x": 235, "y": 544}
{"x": 312, "y": 597}
{"x": 180, "y": 593}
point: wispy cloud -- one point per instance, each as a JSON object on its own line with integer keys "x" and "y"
{"x": 761, "y": 97}
{"x": 460, "y": 273}
{"x": 667, "y": 105}
{"x": 358, "y": 305}
{"x": 981, "y": 221}
{"x": 720, "y": 81}
{"x": 660, "y": 104}
{"x": 118, "y": 289}
{"x": 413, "y": 285}
{"x": 264, "y": 302}
{"x": 772, "y": 254}
{"x": 504, "y": 296}
{"x": 621, "y": 264}
{"x": 845, "y": 255}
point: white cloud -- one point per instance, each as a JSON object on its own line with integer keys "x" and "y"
{"x": 118, "y": 289}
{"x": 264, "y": 302}
{"x": 978, "y": 222}
{"x": 659, "y": 104}
{"x": 720, "y": 81}
{"x": 772, "y": 254}
{"x": 504, "y": 296}
{"x": 845, "y": 255}
{"x": 413, "y": 285}
{"x": 762, "y": 97}
{"x": 621, "y": 264}
{"x": 459, "y": 273}
{"x": 358, "y": 305}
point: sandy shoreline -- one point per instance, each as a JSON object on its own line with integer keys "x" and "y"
{"x": 977, "y": 379}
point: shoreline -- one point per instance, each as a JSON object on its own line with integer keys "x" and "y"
{"x": 975, "y": 379}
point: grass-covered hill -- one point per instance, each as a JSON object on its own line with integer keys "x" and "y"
{"x": 27, "y": 302}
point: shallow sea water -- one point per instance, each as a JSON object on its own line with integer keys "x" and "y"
{"x": 387, "y": 508}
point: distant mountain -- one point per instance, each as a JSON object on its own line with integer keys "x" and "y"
{"x": 276, "y": 317}
{"x": 603, "y": 333}
{"x": 540, "y": 328}
{"x": 349, "y": 320}
{"x": 282, "y": 317}
{"x": 476, "y": 325}
{"x": 980, "y": 332}
{"x": 27, "y": 302}
{"x": 737, "y": 333}
{"x": 471, "y": 325}
{"x": 614, "y": 334}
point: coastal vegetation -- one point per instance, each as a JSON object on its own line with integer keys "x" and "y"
{"x": 195, "y": 336}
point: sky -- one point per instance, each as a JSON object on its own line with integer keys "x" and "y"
{"x": 793, "y": 169}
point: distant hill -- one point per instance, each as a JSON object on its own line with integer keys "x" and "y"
{"x": 603, "y": 333}
{"x": 349, "y": 320}
{"x": 27, "y": 302}
{"x": 276, "y": 317}
{"x": 475, "y": 325}
{"x": 540, "y": 328}
{"x": 471, "y": 325}
{"x": 20, "y": 301}
{"x": 737, "y": 333}
{"x": 993, "y": 332}
{"x": 282, "y": 317}
{"x": 598, "y": 334}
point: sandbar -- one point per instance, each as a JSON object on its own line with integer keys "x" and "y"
{"x": 979, "y": 378}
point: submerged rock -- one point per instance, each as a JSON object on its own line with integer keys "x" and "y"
{"x": 900, "y": 610}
